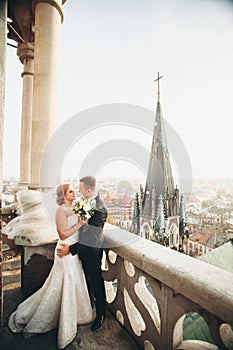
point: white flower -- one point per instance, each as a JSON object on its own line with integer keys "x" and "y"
{"x": 87, "y": 207}
{"x": 87, "y": 215}
{"x": 93, "y": 202}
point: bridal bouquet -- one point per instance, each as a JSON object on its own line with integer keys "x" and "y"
{"x": 85, "y": 208}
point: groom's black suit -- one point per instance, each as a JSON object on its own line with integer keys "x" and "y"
{"x": 90, "y": 252}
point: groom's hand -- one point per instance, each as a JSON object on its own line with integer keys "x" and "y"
{"x": 63, "y": 250}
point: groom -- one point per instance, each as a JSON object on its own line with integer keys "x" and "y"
{"x": 89, "y": 248}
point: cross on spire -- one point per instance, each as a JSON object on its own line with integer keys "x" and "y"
{"x": 158, "y": 83}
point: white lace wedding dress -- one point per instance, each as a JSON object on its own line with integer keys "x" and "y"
{"x": 62, "y": 302}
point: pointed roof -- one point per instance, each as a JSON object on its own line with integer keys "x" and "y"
{"x": 182, "y": 209}
{"x": 159, "y": 176}
{"x": 200, "y": 237}
{"x": 136, "y": 216}
{"x": 108, "y": 198}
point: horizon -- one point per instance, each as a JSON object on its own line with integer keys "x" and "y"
{"x": 102, "y": 178}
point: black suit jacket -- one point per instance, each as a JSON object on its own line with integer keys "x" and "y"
{"x": 91, "y": 235}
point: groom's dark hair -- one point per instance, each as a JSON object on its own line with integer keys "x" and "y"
{"x": 89, "y": 182}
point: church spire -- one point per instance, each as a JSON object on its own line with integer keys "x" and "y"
{"x": 136, "y": 216}
{"x": 182, "y": 209}
{"x": 182, "y": 218}
{"x": 159, "y": 177}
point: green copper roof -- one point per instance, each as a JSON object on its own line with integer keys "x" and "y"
{"x": 221, "y": 257}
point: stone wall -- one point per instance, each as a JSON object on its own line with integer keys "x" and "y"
{"x": 36, "y": 263}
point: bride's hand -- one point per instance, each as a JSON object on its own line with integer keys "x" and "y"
{"x": 82, "y": 222}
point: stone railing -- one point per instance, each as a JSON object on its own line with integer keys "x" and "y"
{"x": 151, "y": 288}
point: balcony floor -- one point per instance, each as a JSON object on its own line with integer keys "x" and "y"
{"x": 110, "y": 336}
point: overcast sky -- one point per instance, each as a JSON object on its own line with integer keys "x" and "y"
{"x": 111, "y": 52}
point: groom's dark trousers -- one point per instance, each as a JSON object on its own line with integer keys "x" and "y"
{"x": 90, "y": 252}
{"x": 95, "y": 283}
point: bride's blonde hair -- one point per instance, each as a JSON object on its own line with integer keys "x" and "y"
{"x": 61, "y": 192}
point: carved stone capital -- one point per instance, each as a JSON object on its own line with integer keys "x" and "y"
{"x": 25, "y": 50}
{"x": 51, "y": 2}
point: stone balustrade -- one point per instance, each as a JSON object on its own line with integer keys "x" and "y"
{"x": 150, "y": 289}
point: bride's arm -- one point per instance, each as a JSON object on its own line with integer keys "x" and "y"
{"x": 61, "y": 222}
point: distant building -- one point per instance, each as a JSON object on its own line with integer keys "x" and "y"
{"x": 196, "y": 244}
{"x": 124, "y": 188}
{"x": 216, "y": 240}
{"x": 199, "y": 243}
{"x": 120, "y": 209}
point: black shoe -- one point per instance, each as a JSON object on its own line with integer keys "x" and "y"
{"x": 98, "y": 322}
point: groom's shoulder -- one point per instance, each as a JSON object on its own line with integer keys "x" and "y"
{"x": 100, "y": 203}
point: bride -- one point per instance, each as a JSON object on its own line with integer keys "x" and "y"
{"x": 63, "y": 301}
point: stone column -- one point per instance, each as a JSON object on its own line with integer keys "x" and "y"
{"x": 3, "y": 34}
{"x": 48, "y": 18}
{"x": 25, "y": 52}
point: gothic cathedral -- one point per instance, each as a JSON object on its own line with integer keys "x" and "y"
{"x": 159, "y": 210}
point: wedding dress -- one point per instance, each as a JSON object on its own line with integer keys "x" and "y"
{"x": 62, "y": 302}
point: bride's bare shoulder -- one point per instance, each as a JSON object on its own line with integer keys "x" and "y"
{"x": 64, "y": 210}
